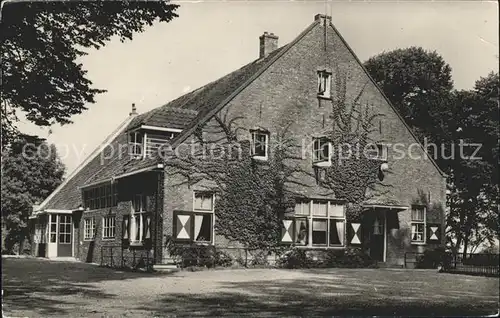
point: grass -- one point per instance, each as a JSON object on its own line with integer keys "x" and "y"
{"x": 36, "y": 287}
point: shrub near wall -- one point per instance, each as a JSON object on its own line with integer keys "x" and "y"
{"x": 351, "y": 257}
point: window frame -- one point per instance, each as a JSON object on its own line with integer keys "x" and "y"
{"x": 134, "y": 144}
{"x": 100, "y": 197}
{"x": 51, "y": 232}
{"x": 321, "y": 161}
{"x": 140, "y": 215}
{"x": 106, "y": 228}
{"x": 205, "y": 212}
{"x": 253, "y": 144}
{"x": 416, "y": 222}
{"x": 89, "y": 229}
{"x": 325, "y": 83}
{"x": 309, "y": 204}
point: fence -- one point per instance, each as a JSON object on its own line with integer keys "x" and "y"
{"x": 213, "y": 256}
{"x": 186, "y": 256}
{"x": 117, "y": 257}
{"x": 475, "y": 264}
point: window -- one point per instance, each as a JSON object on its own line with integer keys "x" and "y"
{"x": 326, "y": 220}
{"x": 65, "y": 229}
{"x": 53, "y": 228}
{"x": 321, "y": 150}
{"x": 377, "y": 152}
{"x": 324, "y": 83}
{"x": 100, "y": 197}
{"x": 135, "y": 144}
{"x": 89, "y": 229}
{"x": 196, "y": 226}
{"x": 108, "y": 227}
{"x": 417, "y": 224}
{"x": 260, "y": 144}
{"x": 140, "y": 219}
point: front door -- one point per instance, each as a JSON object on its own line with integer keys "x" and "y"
{"x": 64, "y": 237}
{"x": 376, "y": 223}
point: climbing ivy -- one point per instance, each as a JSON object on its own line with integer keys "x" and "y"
{"x": 253, "y": 196}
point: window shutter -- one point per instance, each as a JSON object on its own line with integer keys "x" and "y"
{"x": 126, "y": 230}
{"x": 354, "y": 233}
{"x": 183, "y": 225}
{"x": 287, "y": 231}
{"x": 146, "y": 233}
{"x": 433, "y": 233}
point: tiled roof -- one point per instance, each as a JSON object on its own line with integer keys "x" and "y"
{"x": 165, "y": 116}
{"x": 180, "y": 113}
{"x": 177, "y": 114}
{"x": 68, "y": 195}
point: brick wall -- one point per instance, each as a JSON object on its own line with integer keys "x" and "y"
{"x": 91, "y": 250}
{"x": 285, "y": 95}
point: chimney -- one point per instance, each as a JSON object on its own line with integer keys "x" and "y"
{"x": 322, "y": 18}
{"x": 268, "y": 43}
{"x": 134, "y": 110}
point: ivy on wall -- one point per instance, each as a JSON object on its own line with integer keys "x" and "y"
{"x": 252, "y": 196}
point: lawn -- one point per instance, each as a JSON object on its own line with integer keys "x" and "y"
{"x": 37, "y": 287}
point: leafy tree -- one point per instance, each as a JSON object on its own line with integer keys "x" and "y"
{"x": 42, "y": 42}
{"x": 417, "y": 82}
{"x": 31, "y": 170}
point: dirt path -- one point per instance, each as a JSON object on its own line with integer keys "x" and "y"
{"x": 41, "y": 288}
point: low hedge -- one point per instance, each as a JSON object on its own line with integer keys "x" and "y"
{"x": 350, "y": 257}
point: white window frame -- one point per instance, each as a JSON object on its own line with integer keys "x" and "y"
{"x": 89, "y": 229}
{"x": 418, "y": 222}
{"x": 134, "y": 145}
{"x": 314, "y": 151}
{"x": 309, "y": 204}
{"x": 377, "y": 152}
{"x": 205, "y": 212}
{"x": 53, "y": 221}
{"x": 108, "y": 228}
{"x": 324, "y": 84}
{"x": 254, "y": 133}
{"x": 138, "y": 215}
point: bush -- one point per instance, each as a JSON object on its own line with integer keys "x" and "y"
{"x": 223, "y": 259}
{"x": 193, "y": 255}
{"x": 434, "y": 259}
{"x": 294, "y": 258}
{"x": 350, "y": 257}
{"x": 259, "y": 258}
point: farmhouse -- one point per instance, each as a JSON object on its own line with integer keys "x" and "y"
{"x": 277, "y": 123}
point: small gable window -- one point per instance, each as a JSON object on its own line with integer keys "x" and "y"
{"x": 321, "y": 152}
{"x": 135, "y": 144}
{"x": 324, "y": 83}
{"x": 260, "y": 144}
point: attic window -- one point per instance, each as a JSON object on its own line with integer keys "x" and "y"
{"x": 322, "y": 149}
{"x": 135, "y": 144}
{"x": 324, "y": 84}
{"x": 260, "y": 144}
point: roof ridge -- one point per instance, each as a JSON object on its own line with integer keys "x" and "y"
{"x": 89, "y": 158}
{"x": 204, "y": 118}
{"x": 385, "y": 97}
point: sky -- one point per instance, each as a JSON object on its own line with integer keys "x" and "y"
{"x": 212, "y": 38}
